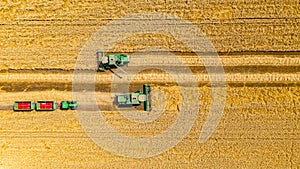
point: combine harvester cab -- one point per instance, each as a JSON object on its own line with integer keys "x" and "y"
{"x": 135, "y": 99}
{"x": 24, "y": 105}
{"x": 111, "y": 61}
{"x": 45, "y": 105}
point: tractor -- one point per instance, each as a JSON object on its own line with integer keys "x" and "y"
{"x": 136, "y": 98}
{"x": 66, "y": 105}
{"x": 111, "y": 61}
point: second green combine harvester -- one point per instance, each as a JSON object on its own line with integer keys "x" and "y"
{"x": 136, "y": 98}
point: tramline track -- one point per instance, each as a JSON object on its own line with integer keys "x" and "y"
{"x": 159, "y": 77}
{"x": 230, "y": 60}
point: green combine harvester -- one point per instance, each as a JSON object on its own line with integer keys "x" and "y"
{"x": 111, "y": 61}
{"x": 136, "y": 99}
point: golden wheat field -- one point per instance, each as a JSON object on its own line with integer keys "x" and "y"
{"x": 258, "y": 43}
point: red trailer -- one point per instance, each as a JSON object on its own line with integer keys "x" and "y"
{"x": 46, "y": 105}
{"x": 23, "y": 105}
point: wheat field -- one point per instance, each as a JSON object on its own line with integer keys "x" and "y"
{"x": 258, "y": 43}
